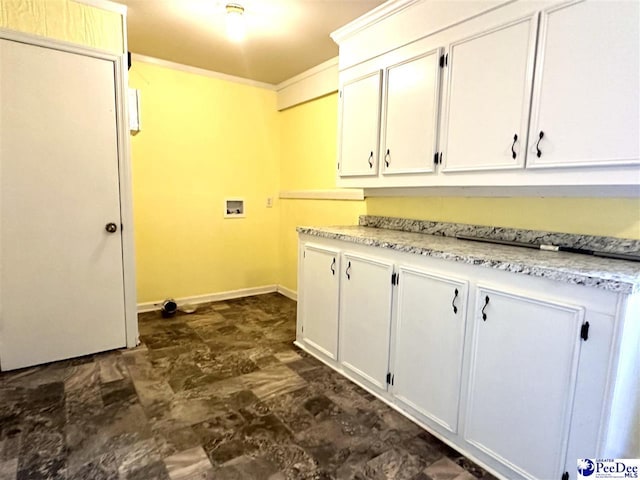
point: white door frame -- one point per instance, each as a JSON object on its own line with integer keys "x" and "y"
{"x": 124, "y": 162}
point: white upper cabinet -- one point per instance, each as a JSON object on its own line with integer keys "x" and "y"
{"x": 586, "y": 103}
{"x": 529, "y": 94}
{"x": 410, "y": 115}
{"x": 359, "y": 126}
{"x": 487, "y": 98}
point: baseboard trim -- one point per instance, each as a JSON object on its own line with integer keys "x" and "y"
{"x": 287, "y": 292}
{"x": 210, "y": 297}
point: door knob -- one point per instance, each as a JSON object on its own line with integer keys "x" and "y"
{"x": 111, "y": 227}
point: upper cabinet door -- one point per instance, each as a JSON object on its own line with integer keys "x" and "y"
{"x": 487, "y": 98}
{"x": 410, "y": 122}
{"x": 586, "y": 104}
{"x": 360, "y": 122}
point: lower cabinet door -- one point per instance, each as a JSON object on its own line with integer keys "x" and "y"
{"x": 522, "y": 380}
{"x": 429, "y": 341}
{"x": 320, "y": 289}
{"x": 365, "y": 317}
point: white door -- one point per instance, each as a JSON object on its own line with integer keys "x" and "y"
{"x": 365, "y": 317}
{"x": 523, "y": 375}
{"x": 586, "y": 102}
{"x": 360, "y": 122}
{"x": 61, "y": 283}
{"x": 488, "y": 95}
{"x": 320, "y": 283}
{"x": 411, "y": 115}
{"x": 428, "y": 347}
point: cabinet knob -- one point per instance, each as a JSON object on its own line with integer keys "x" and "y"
{"x": 538, "y": 152}
{"x": 453, "y": 302}
{"x": 371, "y": 160}
{"x": 513, "y": 152}
{"x": 486, "y": 302}
{"x": 111, "y": 227}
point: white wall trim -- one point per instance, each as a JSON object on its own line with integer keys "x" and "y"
{"x": 200, "y": 71}
{"x": 287, "y": 292}
{"x": 334, "y": 194}
{"x": 308, "y": 85}
{"x": 217, "y": 297}
{"x": 104, "y": 5}
{"x": 376, "y": 15}
{"x": 575, "y": 191}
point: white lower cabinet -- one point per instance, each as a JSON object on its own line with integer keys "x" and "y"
{"x": 319, "y": 307}
{"x": 523, "y": 375}
{"x": 365, "y": 313}
{"x": 429, "y": 336}
{"x": 523, "y": 370}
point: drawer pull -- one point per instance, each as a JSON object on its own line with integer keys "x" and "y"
{"x": 486, "y": 302}
{"x": 453, "y": 302}
{"x": 333, "y": 267}
{"x": 371, "y": 160}
{"x": 348, "y": 271}
{"x": 513, "y": 152}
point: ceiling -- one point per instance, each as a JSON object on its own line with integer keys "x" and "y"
{"x": 283, "y": 37}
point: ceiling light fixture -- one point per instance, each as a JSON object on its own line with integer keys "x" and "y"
{"x": 235, "y": 22}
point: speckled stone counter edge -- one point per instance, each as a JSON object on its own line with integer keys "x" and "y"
{"x": 590, "y": 242}
{"x": 620, "y": 283}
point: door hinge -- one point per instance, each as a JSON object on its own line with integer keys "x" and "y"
{"x": 565, "y": 476}
{"x": 304, "y": 254}
{"x": 390, "y": 378}
{"x": 440, "y": 158}
{"x": 444, "y": 60}
{"x": 340, "y": 93}
{"x": 435, "y": 158}
{"x": 121, "y": 227}
{"x": 338, "y": 165}
{"x": 395, "y": 279}
{"x": 584, "y": 331}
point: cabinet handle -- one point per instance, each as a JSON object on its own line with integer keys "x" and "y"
{"x": 513, "y": 152}
{"x": 371, "y": 160}
{"x": 486, "y": 302}
{"x": 333, "y": 267}
{"x": 539, "y": 153}
{"x": 453, "y": 302}
{"x": 348, "y": 271}
{"x": 386, "y": 158}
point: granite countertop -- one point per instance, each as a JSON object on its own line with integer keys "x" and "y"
{"x": 621, "y": 276}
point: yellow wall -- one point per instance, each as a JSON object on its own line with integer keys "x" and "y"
{"x": 308, "y": 161}
{"x": 615, "y": 217}
{"x": 64, "y": 20}
{"x": 203, "y": 140}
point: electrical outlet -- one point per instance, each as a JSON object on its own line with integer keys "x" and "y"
{"x": 269, "y": 202}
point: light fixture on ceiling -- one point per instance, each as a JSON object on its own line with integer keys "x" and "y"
{"x": 235, "y": 22}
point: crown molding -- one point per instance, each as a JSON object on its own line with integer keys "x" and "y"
{"x": 376, "y": 15}
{"x": 200, "y": 71}
{"x": 331, "y": 63}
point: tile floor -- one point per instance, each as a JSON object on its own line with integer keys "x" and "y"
{"x": 218, "y": 394}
